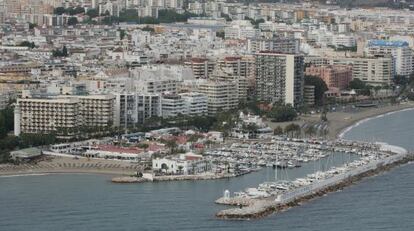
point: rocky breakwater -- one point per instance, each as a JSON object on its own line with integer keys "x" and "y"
{"x": 248, "y": 208}
{"x": 258, "y": 208}
{"x": 128, "y": 179}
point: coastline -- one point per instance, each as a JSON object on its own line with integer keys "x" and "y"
{"x": 339, "y": 124}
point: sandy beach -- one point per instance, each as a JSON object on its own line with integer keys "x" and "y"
{"x": 339, "y": 121}
{"x": 71, "y": 165}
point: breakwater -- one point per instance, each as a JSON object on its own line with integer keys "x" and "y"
{"x": 257, "y": 208}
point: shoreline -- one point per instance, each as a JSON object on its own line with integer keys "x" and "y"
{"x": 339, "y": 123}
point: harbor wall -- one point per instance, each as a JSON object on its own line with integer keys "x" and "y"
{"x": 320, "y": 185}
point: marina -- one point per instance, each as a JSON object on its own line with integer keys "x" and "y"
{"x": 278, "y": 196}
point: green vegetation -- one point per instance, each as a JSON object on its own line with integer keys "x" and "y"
{"x": 278, "y": 131}
{"x": 360, "y": 87}
{"x": 255, "y": 23}
{"x": 293, "y": 130}
{"x": 32, "y": 26}
{"x": 60, "y": 53}
{"x": 92, "y": 13}
{"x": 220, "y": 34}
{"x": 69, "y": 11}
{"x": 227, "y": 17}
{"x": 72, "y": 21}
{"x": 320, "y": 88}
{"x": 147, "y": 28}
{"x": 30, "y": 45}
{"x": 9, "y": 142}
{"x": 282, "y": 113}
{"x": 164, "y": 16}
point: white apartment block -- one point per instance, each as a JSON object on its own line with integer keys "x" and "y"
{"x": 46, "y": 115}
{"x": 222, "y": 96}
{"x": 279, "y": 78}
{"x": 281, "y": 45}
{"x": 195, "y": 103}
{"x": 372, "y": 70}
{"x": 399, "y": 50}
{"x": 342, "y": 40}
{"x": 134, "y": 108}
{"x": 63, "y": 114}
{"x": 172, "y": 105}
{"x": 227, "y": 75}
{"x": 240, "y": 32}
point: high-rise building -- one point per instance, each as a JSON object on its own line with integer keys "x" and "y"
{"x": 280, "y": 45}
{"x": 222, "y": 95}
{"x": 201, "y": 67}
{"x": 63, "y": 115}
{"x": 279, "y": 78}
{"x": 172, "y": 105}
{"x": 134, "y": 108}
{"x": 335, "y": 76}
{"x": 228, "y": 75}
{"x": 242, "y": 66}
{"x": 399, "y": 50}
{"x": 195, "y": 103}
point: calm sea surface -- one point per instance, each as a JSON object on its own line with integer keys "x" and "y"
{"x": 91, "y": 202}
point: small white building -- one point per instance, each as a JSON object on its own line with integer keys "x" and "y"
{"x": 186, "y": 164}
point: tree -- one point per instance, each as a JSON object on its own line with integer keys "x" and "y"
{"x": 320, "y": 87}
{"x": 360, "y": 86}
{"x": 32, "y": 26}
{"x": 357, "y": 84}
{"x": 72, "y": 21}
{"x": 282, "y": 113}
{"x": 122, "y": 34}
{"x": 92, "y": 13}
{"x": 292, "y": 129}
{"x": 220, "y": 34}
{"x": 143, "y": 146}
{"x": 28, "y": 44}
{"x": 59, "y": 10}
{"x": 310, "y": 130}
{"x": 64, "y": 51}
{"x": 278, "y": 131}
{"x": 172, "y": 145}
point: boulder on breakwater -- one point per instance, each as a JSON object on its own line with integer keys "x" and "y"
{"x": 128, "y": 179}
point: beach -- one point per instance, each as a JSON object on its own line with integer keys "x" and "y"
{"x": 53, "y": 164}
{"x": 339, "y": 121}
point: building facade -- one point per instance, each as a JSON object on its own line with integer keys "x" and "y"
{"x": 279, "y": 78}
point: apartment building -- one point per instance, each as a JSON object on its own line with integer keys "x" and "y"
{"x": 279, "y": 78}
{"x": 227, "y": 75}
{"x": 399, "y": 50}
{"x": 195, "y": 103}
{"x": 372, "y": 70}
{"x": 309, "y": 95}
{"x": 95, "y": 110}
{"x": 243, "y": 66}
{"x": 281, "y": 45}
{"x": 201, "y": 67}
{"x": 33, "y": 115}
{"x": 221, "y": 95}
{"x": 334, "y": 76}
{"x": 133, "y": 108}
{"x": 172, "y": 105}
{"x": 63, "y": 115}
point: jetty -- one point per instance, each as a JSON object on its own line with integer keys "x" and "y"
{"x": 253, "y": 208}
